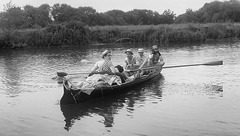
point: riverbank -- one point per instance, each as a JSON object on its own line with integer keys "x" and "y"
{"x": 76, "y": 34}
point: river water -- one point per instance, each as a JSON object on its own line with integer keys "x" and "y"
{"x": 201, "y": 100}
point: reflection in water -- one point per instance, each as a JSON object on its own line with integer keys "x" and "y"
{"x": 11, "y": 73}
{"x": 108, "y": 106}
{"x": 30, "y": 70}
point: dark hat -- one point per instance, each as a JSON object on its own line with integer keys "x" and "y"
{"x": 120, "y": 68}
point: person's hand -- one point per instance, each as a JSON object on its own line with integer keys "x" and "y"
{"x": 140, "y": 70}
{"x": 92, "y": 73}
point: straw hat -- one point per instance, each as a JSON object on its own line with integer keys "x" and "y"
{"x": 105, "y": 53}
{"x": 129, "y": 50}
{"x": 140, "y": 50}
{"x": 155, "y": 47}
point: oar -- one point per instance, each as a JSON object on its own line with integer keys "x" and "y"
{"x": 213, "y": 63}
{"x": 145, "y": 68}
{"x": 62, "y": 74}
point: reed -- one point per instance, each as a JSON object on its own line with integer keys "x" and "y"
{"x": 75, "y": 33}
{"x": 166, "y": 34}
{"x": 53, "y": 35}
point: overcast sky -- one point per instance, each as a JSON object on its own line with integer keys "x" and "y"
{"x": 177, "y": 6}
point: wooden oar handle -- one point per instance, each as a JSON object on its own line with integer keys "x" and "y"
{"x": 147, "y": 68}
{"x": 213, "y": 63}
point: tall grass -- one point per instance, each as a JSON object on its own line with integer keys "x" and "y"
{"x": 166, "y": 34}
{"x": 53, "y": 35}
{"x": 75, "y": 34}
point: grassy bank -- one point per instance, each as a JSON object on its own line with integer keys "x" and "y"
{"x": 166, "y": 34}
{"x": 53, "y": 35}
{"x": 76, "y": 34}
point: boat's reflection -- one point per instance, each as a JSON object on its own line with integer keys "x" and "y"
{"x": 109, "y": 106}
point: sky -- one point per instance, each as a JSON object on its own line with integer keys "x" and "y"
{"x": 177, "y": 6}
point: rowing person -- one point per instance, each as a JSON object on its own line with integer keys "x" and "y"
{"x": 130, "y": 60}
{"x": 141, "y": 58}
{"x": 104, "y": 65}
{"x": 154, "y": 58}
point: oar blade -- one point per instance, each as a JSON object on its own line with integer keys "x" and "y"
{"x": 61, "y": 74}
{"x": 213, "y": 63}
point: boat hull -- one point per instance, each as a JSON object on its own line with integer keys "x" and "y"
{"x": 76, "y": 96}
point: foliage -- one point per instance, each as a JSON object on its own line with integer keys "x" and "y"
{"x": 216, "y": 11}
{"x": 39, "y": 17}
{"x": 165, "y": 34}
{"x": 62, "y": 24}
{"x": 29, "y": 17}
{"x": 73, "y": 33}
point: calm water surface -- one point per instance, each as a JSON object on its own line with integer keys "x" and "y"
{"x": 202, "y": 100}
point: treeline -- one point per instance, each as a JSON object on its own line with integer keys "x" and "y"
{"x": 227, "y": 11}
{"x": 38, "y": 17}
{"x": 63, "y": 25}
{"x": 35, "y": 17}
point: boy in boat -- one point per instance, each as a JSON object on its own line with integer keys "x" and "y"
{"x": 130, "y": 60}
{"x": 122, "y": 74}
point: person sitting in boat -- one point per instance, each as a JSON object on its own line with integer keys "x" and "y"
{"x": 141, "y": 58}
{"x": 155, "y": 58}
{"x": 105, "y": 65}
{"x": 122, "y": 74}
{"x": 103, "y": 72}
{"x": 130, "y": 61}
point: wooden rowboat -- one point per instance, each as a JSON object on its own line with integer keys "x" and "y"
{"x": 71, "y": 96}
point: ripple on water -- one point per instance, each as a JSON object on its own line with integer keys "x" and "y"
{"x": 187, "y": 101}
{"x": 193, "y": 89}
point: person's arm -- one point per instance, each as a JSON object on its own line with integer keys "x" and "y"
{"x": 125, "y": 63}
{"x": 144, "y": 62}
{"x": 138, "y": 61}
{"x": 113, "y": 70}
{"x": 150, "y": 60}
{"x": 134, "y": 64}
{"x": 95, "y": 67}
{"x": 161, "y": 61}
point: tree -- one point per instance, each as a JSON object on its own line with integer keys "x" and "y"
{"x": 227, "y": 11}
{"x": 169, "y": 16}
{"x": 63, "y": 13}
{"x": 85, "y": 14}
{"x": 13, "y": 17}
{"x": 37, "y": 16}
{"x": 117, "y": 17}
